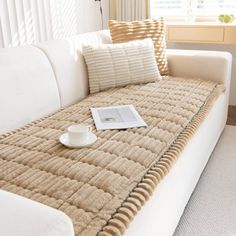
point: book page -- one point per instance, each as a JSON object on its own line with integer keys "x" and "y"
{"x": 117, "y": 117}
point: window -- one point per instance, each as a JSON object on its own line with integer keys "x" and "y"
{"x": 188, "y": 8}
{"x": 215, "y": 7}
{"x": 167, "y": 8}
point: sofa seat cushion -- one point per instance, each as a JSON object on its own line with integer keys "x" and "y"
{"x": 102, "y": 187}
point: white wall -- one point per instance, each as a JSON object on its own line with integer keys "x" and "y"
{"x": 31, "y": 21}
{"x": 228, "y": 48}
{"x": 88, "y": 15}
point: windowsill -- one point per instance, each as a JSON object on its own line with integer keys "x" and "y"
{"x": 202, "y": 23}
{"x": 201, "y": 32}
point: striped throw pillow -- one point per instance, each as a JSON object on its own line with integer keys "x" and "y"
{"x": 117, "y": 65}
{"x": 122, "y": 31}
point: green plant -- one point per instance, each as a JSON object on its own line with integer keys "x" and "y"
{"x": 226, "y": 18}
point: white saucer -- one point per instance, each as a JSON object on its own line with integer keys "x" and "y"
{"x": 92, "y": 138}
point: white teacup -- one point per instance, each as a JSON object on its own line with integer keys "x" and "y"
{"x": 78, "y": 134}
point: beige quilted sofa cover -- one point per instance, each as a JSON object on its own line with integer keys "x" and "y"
{"x": 102, "y": 187}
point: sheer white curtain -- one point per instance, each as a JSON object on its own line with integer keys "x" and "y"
{"x": 128, "y": 10}
{"x": 30, "y": 21}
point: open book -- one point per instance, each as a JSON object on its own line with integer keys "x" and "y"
{"x": 117, "y": 117}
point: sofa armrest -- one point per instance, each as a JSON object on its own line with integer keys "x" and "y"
{"x": 23, "y": 217}
{"x": 210, "y": 65}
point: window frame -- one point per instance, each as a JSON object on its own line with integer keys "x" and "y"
{"x": 178, "y": 19}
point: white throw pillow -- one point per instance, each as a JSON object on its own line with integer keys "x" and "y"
{"x": 116, "y": 65}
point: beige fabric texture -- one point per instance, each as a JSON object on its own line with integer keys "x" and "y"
{"x": 118, "y": 65}
{"x": 102, "y": 187}
{"x": 122, "y": 31}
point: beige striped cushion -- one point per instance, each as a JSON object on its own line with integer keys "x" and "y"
{"x": 116, "y": 65}
{"x": 122, "y": 31}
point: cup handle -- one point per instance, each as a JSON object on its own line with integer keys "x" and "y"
{"x": 90, "y": 128}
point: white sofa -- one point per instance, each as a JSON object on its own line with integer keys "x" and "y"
{"x": 40, "y": 79}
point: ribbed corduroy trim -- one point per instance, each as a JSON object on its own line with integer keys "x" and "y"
{"x": 119, "y": 221}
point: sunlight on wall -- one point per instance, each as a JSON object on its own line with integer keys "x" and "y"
{"x": 30, "y": 21}
{"x": 75, "y": 43}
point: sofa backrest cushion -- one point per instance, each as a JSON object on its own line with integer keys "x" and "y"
{"x": 69, "y": 65}
{"x": 40, "y": 79}
{"x": 28, "y": 88}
